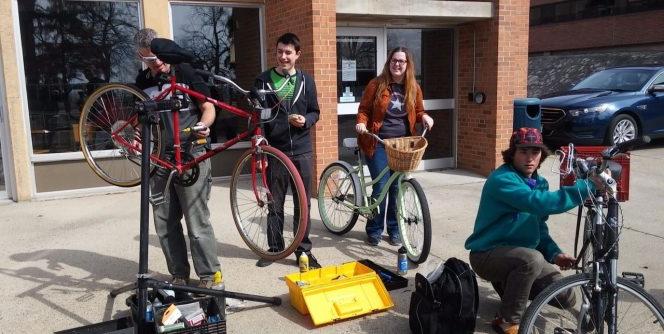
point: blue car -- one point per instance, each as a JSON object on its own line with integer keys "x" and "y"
{"x": 608, "y": 107}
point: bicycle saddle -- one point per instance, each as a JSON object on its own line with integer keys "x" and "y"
{"x": 170, "y": 52}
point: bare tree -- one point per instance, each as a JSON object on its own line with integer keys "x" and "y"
{"x": 209, "y": 37}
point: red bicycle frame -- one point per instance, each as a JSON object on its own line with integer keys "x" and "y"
{"x": 254, "y": 131}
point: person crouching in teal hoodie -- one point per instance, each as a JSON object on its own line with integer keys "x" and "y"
{"x": 510, "y": 245}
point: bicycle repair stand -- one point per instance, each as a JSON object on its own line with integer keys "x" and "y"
{"x": 149, "y": 115}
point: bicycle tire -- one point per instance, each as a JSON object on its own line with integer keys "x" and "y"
{"x": 534, "y": 317}
{"x": 414, "y": 220}
{"x": 338, "y": 184}
{"x": 111, "y": 108}
{"x": 251, "y": 215}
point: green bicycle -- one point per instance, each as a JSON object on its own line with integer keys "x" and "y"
{"x": 343, "y": 197}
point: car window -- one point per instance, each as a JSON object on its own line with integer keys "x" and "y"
{"x": 659, "y": 80}
{"x": 617, "y": 80}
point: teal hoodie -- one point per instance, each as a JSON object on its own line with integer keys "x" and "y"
{"x": 513, "y": 214}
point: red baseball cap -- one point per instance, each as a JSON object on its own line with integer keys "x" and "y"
{"x": 527, "y": 137}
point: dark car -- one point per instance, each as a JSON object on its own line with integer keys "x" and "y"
{"x": 610, "y": 106}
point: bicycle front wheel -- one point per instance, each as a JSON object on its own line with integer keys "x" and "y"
{"x": 565, "y": 307}
{"x": 268, "y": 202}
{"x": 339, "y": 194}
{"x": 414, "y": 220}
{"x": 109, "y": 121}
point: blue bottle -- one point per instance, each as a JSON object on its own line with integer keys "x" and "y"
{"x": 402, "y": 261}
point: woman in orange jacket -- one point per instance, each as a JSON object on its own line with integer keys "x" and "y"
{"x": 391, "y": 106}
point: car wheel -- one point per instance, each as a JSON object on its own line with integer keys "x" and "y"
{"x": 622, "y": 128}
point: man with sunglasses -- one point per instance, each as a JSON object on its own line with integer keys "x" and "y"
{"x": 190, "y": 202}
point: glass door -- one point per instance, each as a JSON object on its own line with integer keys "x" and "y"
{"x": 360, "y": 56}
{"x": 433, "y": 51}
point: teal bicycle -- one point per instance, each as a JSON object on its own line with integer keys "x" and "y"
{"x": 343, "y": 195}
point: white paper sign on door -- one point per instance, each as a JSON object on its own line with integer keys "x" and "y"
{"x": 348, "y": 70}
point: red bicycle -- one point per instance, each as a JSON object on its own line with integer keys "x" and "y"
{"x": 110, "y": 132}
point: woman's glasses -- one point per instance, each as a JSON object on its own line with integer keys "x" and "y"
{"x": 398, "y": 61}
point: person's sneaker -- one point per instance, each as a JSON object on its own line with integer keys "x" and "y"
{"x": 180, "y": 281}
{"x": 503, "y": 327}
{"x": 208, "y": 283}
{"x": 313, "y": 262}
{"x": 372, "y": 241}
{"x": 394, "y": 240}
{"x": 263, "y": 262}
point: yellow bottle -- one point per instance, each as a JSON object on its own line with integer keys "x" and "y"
{"x": 304, "y": 263}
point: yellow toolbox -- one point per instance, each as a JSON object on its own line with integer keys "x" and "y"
{"x": 339, "y": 292}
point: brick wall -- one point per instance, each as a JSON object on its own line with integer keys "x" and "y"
{"x": 501, "y": 61}
{"x": 314, "y": 22}
{"x": 629, "y": 29}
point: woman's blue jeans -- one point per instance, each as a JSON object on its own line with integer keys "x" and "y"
{"x": 375, "y": 226}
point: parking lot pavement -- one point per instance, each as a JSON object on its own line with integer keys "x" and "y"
{"x": 61, "y": 257}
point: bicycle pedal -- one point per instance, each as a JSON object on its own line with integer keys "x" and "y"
{"x": 157, "y": 199}
{"x": 636, "y": 278}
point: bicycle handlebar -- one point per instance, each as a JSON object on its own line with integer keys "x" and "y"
{"x": 253, "y": 92}
{"x": 624, "y": 147}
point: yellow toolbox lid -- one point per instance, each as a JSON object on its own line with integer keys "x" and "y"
{"x": 338, "y": 292}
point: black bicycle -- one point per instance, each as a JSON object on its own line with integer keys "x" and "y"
{"x": 596, "y": 300}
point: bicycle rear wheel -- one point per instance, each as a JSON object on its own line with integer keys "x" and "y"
{"x": 637, "y": 311}
{"x": 270, "y": 229}
{"x": 109, "y": 120}
{"x": 338, "y": 192}
{"x": 414, "y": 220}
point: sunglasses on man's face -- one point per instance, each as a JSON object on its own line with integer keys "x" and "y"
{"x": 148, "y": 59}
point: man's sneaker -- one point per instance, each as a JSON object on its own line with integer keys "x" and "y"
{"x": 313, "y": 263}
{"x": 372, "y": 241}
{"x": 180, "y": 281}
{"x": 208, "y": 283}
{"x": 263, "y": 262}
{"x": 503, "y": 327}
{"x": 394, "y": 240}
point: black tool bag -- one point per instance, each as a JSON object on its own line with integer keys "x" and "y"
{"x": 448, "y": 304}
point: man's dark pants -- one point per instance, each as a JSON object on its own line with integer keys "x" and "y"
{"x": 279, "y": 180}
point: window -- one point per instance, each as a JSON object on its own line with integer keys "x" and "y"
{"x": 224, "y": 40}
{"x": 69, "y": 49}
{"x": 433, "y": 53}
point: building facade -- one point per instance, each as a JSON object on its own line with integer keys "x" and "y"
{"x": 55, "y": 53}
{"x": 572, "y": 39}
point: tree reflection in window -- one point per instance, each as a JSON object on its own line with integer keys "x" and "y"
{"x": 226, "y": 41}
{"x": 69, "y": 49}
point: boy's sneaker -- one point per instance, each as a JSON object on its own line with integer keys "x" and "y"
{"x": 503, "y": 327}
{"x": 394, "y": 240}
{"x": 373, "y": 241}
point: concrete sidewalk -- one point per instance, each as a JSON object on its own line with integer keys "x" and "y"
{"x": 60, "y": 258}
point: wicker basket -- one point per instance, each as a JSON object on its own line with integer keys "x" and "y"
{"x": 405, "y": 153}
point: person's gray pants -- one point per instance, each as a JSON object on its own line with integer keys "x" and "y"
{"x": 517, "y": 274}
{"x": 192, "y": 203}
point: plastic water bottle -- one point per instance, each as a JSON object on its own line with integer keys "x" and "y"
{"x": 304, "y": 263}
{"x": 149, "y": 311}
{"x": 402, "y": 261}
